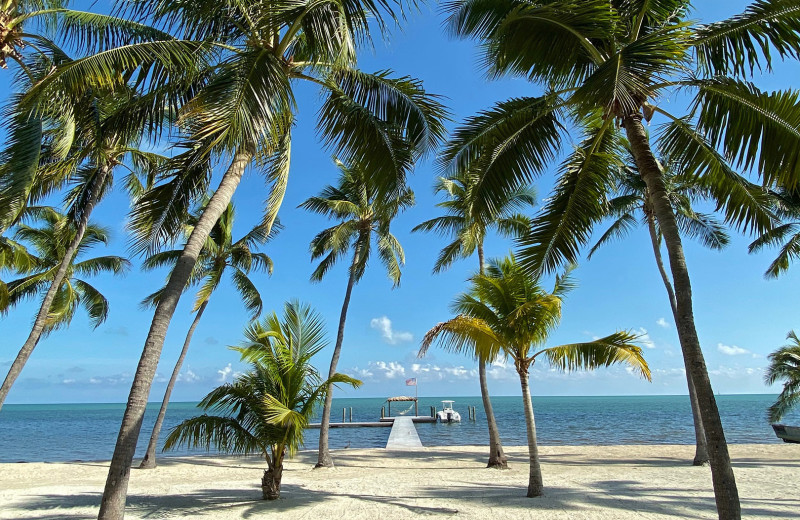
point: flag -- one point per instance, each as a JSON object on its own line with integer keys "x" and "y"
{"x": 411, "y": 382}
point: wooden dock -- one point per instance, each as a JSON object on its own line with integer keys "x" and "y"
{"x": 383, "y": 424}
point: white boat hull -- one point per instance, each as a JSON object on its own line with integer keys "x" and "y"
{"x": 448, "y": 416}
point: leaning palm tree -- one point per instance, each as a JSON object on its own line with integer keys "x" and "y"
{"x": 266, "y": 410}
{"x": 606, "y": 65}
{"x": 784, "y": 365}
{"x": 221, "y": 254}
{"x": 631, "y": 207}
{"x": 785, "y": 234}
{"x": 364, "y": 211}
{"x": 47, "y": 245}
{"x": 468, "y": 229}
{"x": 243, "y": 114}
{"x": 507, "y": 313}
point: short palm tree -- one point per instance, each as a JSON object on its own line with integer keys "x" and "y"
{"x": 784, "y": 365}
{"x": 47, "y": 244}
{"x": 266, "y": 410}
{"x": 242, "y": 114}
{"x": 468, "y": 229}
{"x": 221, "y": 254}
{"x": 631, "y": 207}
{"x": 785, "y": 234}
{"x": 364, "y": 211}
{"x": 609, "y": 64}
{"x": 506, "y": 312}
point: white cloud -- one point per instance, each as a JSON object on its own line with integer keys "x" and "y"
{"x": 732, "y": 350}
{"x": 224, "y": 373}
{"x": 392, "y": 337}
{"x": 644, "y": 338}
{"x": 68, "y": 381}
{"x": 188, "y": 376}
{"x": 390, "y": 370}
{"x": 661, "y": 322}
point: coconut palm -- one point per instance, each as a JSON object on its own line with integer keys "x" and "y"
{"x": 607, "y": 64}
{"x": 221, "y": 254}
{"x": 363, "y": 211}
{"x": 266, "y": 410}
{"x": 243, "y": 114}
{"x": 48, "y": 242}
{"x": 784, "y": 365}
{"x": 785, "y": 234}
{"x": 468, "y": 230}
{"x": 87, "y": 140}
{"x": 507, "y": 313}
{"x": 631, "y": 207}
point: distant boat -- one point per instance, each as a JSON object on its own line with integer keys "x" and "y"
{"x": 787, "y": 433}
{"x": 447, "y": 414}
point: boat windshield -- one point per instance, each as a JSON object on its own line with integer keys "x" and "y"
{"x": 447, "y": 405}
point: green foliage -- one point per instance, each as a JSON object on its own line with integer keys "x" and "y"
{"x": 48, "y": 243}
{"x": 506, "y": 313}
{"x": 784, "y": 366}
{"x": 364, "y": 209}
{"x": 265, "y": 411}
{"x": 785, "y": 235}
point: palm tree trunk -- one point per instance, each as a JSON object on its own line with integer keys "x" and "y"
{"x": 271, "y": 480}
{"x": 112, "y": 506}
{"x": 535, "y": 483}
{"x": 497, "y": 457}
{"x": 701, "y": 451}
{"x": 149, "y": 460}
{"x": 725, "y": 491}
{"x": 44, "y": 310}
{"x": 324, "y": 460}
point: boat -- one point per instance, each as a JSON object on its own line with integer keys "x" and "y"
{"x": 787, "y": 433}
{"x": 447, "y": 414}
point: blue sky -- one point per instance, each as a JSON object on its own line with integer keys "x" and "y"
{"x": 740, "y": 316}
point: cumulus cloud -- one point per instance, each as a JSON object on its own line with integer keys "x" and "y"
{"x": 732, "y": 350}
{"x": 225, "y": 373}
{"x": 661, "y": 322}
{"x": 644, "y": 338}
{"x": 390, "y": 336}
{"x": 390, "y": 370}
{"x": 188, "y": 376}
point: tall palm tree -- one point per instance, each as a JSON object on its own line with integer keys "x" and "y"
{"x": 48, "y": 242}
{"x": 631, "y": 207}
{"x": 221, "y": 254}
{"x": 266, "y": 410}
{"x": 784, "y": 365}
{"x": 87, "y": 140}
{"x": 607, "y": 64}
{"x": 785, "y": 234}
{"x": 364, "y": 211}
{"x": 507, "y": 312}
{"x": 243, "y": 113}
{"x": 468, "y": 230}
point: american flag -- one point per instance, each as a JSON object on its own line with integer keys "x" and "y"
{"x": 411, "y": 382}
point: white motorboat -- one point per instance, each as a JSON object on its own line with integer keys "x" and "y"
{"x": 447, "y": 414}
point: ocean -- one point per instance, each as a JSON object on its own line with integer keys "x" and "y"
{"x": 71, "y": 432}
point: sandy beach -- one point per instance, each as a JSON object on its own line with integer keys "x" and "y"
{"x": 582, "y": 482}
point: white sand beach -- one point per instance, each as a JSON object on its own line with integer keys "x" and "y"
{"x": 582, "y": 482}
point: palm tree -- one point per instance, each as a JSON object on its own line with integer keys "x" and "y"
{"x": 506, "y": 312}
{"x": 220, "y": 254}
{"x": 87, "y": 140}
{"x": 784, "y": 365}
{"x": 48, "y": 241}
{"x": 469, "y": 230}
{"x": 785, "y": 234}
{"x": 266, "y": 410}
{"x": 363, "y": 210}
{"x": 631, "y": 207}
{"x": 243, "y": 112}
{"x": 607, "y": 64}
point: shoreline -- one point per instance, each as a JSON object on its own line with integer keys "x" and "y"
{"x": 582, "y": 482}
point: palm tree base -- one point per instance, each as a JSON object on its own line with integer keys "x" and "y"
{"x": 497, "y": 464}
{"x": 700, "y": 462}
{"x": 271, "y": 484}
{"x": 147, "y": 463}
{"x": 535, "y": 492}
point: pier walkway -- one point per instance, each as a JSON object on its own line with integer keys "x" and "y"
{"x": 403, "y": 436}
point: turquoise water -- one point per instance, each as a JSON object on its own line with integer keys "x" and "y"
{"x": 63, "y": 432}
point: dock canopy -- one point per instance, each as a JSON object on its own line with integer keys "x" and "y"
{"x": 401, "y": 398}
